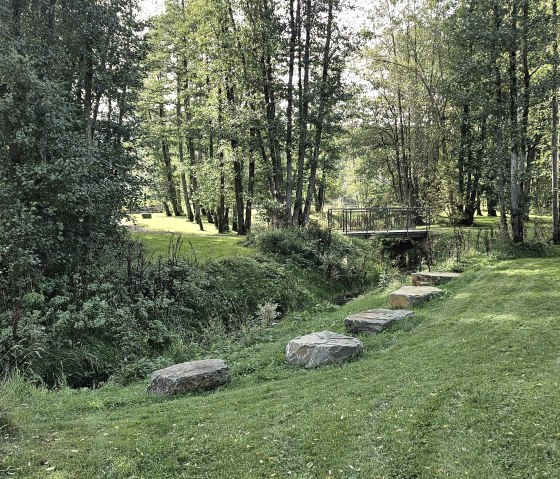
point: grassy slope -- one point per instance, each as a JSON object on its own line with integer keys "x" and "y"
{"x": 157, "y": 232}
{"x": 467, "y": 389}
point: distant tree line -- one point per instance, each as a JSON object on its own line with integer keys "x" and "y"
{"x": 240, "y": 107}
{"x": 460, "y": 108}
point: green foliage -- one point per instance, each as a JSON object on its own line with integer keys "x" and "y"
{"x": 293, "y": 243}
{"x": 341, "y": 259}
{"x": 128, "y": 313}
{"x": 66, "y": 161}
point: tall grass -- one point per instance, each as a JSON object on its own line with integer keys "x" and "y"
{"x": 13, "y": 390}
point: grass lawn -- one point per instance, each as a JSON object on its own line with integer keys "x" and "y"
{"x": 468, "y": 388}
{"x": 199, "y": 247}
{"x": 157, "y": 233}
{"x": 172, "y": 224}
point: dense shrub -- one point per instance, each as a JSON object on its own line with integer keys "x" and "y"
{"x": 123, "y": 314}
{"x": 294, "y": 243}
{"x": 352, "y": 263}
{"x": 124, "y": 311}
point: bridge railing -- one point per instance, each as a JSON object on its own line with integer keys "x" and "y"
{"x": 379, "y": 220}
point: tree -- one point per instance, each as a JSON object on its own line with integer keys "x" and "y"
{"x": 247, "y": 104}
{"x": 554, "y": 114}
{"x": 66, "y": 127}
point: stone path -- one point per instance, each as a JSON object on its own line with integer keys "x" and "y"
{"x": 311, "y": 350}
{"x": 190, "y": 377}
{"x": 408, "y": 296}
{"x": 318, "y": 349}
{"x": 326, "y": 347}
{"x": 433, "y": 278}
{"x": 374, "y": 321}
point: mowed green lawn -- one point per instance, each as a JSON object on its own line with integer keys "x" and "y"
{"x": 469, "y": 388}
{"x": 160, "y": 233}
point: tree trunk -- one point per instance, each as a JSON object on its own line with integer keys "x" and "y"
{"x": 461, "y": 163}
{"x": 171, "y": 190}
{"x": 166, "y": 209}
{"x": 185, "y": 188}
{"x": 555, "y": 216}
{"x": 209, "y": 217}
{"x": 168, "y": 169}
{"x": 303, "y": 116}
{"x": 238, "y": 186}
{"x": 478, "y": 205}
{"x": 220, "y": 222}
{"x": 320, "y": 202}
{"x": 499, "y": 135}
{"x": 516, "y": 161}
{"x": 528, "y": 145}
{"x": 472, "y": 198}
{"x": 184, "y": 185}
{"x": 237, "y": 170}
{"x": 194, "y": 183}
{"x": 320, "y": 117}
{"x": 491, "y": 205}
{"x": 294, "y": 22}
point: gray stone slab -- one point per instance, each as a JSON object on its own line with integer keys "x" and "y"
{"x": 374, "y": 321}
{"x": 190, "y": 377}
{"x": 318, "y": 349}
{"x": 433, "y": 278}
{"x": 408, "y": 296}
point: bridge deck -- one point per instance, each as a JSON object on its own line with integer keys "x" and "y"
{"x": 390, "y": 234}
{"x": 388, "y": 222}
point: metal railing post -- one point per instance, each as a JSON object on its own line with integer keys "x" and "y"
{"x": 407, "y": 220}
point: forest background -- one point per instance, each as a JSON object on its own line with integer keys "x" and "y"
{"x": 440, "y": 104}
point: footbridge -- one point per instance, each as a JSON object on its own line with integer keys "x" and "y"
{"x": 390, "y": 222}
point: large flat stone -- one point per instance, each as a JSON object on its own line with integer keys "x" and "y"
{"x": 374, "y": 321}
{"x": 318, "y": 349}
{"x": 408, "y": 296}
{"x": 433, "y": 278}
{"x": 190, "y": 377}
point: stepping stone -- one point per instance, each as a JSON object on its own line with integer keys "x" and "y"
{"x": 433, "y": 278}
{"x": 410, "y": 295}
{"x": 318, "y": 349}
{"x": 190, "y": 377}
{"x": 374, "y": 321}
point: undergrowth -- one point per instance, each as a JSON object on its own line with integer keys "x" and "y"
{"x": 126, "y": 314}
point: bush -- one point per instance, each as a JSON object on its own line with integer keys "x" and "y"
{"x": 296, "y": 244}
{"x": 120, "y": 315}
{"x": 339, "y": 258}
